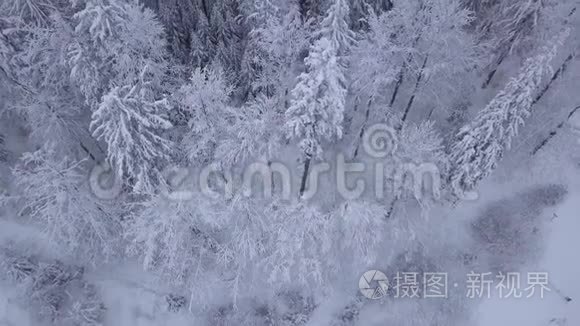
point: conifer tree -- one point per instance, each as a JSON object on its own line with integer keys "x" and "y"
{"x": 316, "y": 112}
{"x": 483, "y": 142}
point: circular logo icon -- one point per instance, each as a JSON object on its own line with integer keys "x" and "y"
{"x": 104, "y": 183}
{"x": 373, "y": 284}
{"x": 380, "y": 141}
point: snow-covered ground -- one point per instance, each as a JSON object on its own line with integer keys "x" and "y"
{"x": 562, "y": 261}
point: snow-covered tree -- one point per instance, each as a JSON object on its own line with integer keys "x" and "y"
{"x": 228, "y": 35}
{"x": 99, "y": 19}
{"x": 482, "y": 143}
{"x": 253, "y": 134}
{"x": 205, "y": 101}
{"x": 335, "y": 28}
{"x": 505, "y": 26}
{"x": 54, "y": 191}
{"x": 262, "y": 15}
{"x": 97, "y": 27}
{"x": 423, "y": 43}
{"x": 202, "y": 49}
{"x": 43, "y": 94}
{"x": 204, "y": 244}
{"x": 417, "y": 168}
{"x": 282, "y": 40}
{"x": 316, "y": 112}
{"x": 179, "y": 18}
{"x": 130, "y": 120}
{"x": 141, "y": 44}
{"x": 311, "y": 9}
{"x": 8, "y": 66}
{"x": 361, "y": 9}
{"x": 407, "y": 57}
{"x": 36, "y": 12}
{"x": 119, "y": 62}
{"x": 115, "y": 42}
{"x": 176, "y": 238}
{"x": 7, "y": 51}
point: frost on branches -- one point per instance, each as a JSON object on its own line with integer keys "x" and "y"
{"x": 205, "y": 102}
{"x": 54, "y": 191}
{"x": 115, "y": 41}
{"x": 130, "y": 120}
{"x": 247, "y": 245}
{"x": 34, "y": 11}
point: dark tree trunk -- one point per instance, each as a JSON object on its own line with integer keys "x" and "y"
{"x": 553, "y": 133}
{"x": 412, "y": 98}
{"x": 397, "y": 87}
{"x": 555, "y": 76}
{"x": 494, "y": 70}
{"x": 362, "y": 130}
{"x": 391, "y": 209}
{"x": 305, "y": 175}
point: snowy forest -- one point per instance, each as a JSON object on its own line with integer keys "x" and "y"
{"x": 289, "y": 162}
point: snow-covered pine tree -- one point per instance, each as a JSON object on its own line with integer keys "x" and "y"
{"x": 115, "y": 41}
{"x": 179, "y": 17}
{"x": 119, "y": 61}
{"x": 142, "y": 43}
{"x": 335, "y": 27}
{"x": 261, "y": 15}
{"x": 481, "y": 144}
{"x": 99, "y": 19}
{"x": 202, "y": 49}
{"x": 130, "y": 120}
{"x": 97, "y": 26}
{"x": 228, "y": 34}
{"x": 316, "y": 112}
